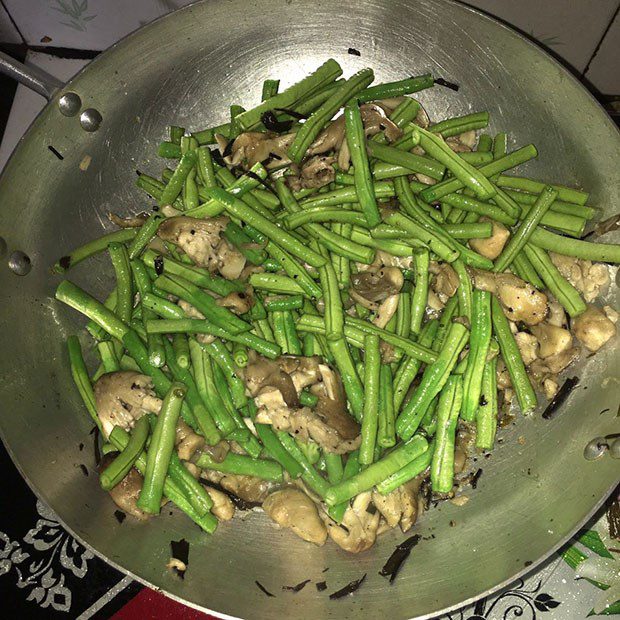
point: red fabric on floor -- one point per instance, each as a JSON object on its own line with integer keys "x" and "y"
{"x": 151, "y": 605}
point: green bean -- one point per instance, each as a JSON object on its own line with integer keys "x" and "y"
{"x": 285, "y": 333}
{"x": 403, "y": 314}
{"x": 92, "y": 328}
{"x": 466, "y": 231}
{"x": 309, "y": 475}
{"x": 433, "y": 380}
{"x": 500, "y": 145}
{"x": 465, "y": 203}
{"x": 145, "y": 234}
{"x": 169, "y": 150}
{"x": 395, "y": 248}
{"x": 421, "y": 259}
{"x": 356, "y": 141}
{"x": 316, "y": 326}
{"x": 160, "y": 450}
{"x": 203, "y": 302}
{"x": 523, "y": 268}
{"x": 471, "y": 177}
{"x": 434, "y": 243}
{"x": 370, "y": 417}
{"x": 567, "y": 194}
{"x": 155, "y": 188}
{"x": 93, "y": 247}
{"x": 207, "y": 136}
{"x": 333, "y": 463}
{"x": 243, "y": 466}
{"x": 207, "y": 522}
{"x": 176, "y": 133}
{"x": 566, "y": 294}
{"x": 512, "y": 358}
{"x": 203, "y": 326}
{"x": 599, "y": 252}
{"x": 240, "y": 355}
{"x": 121, "y": 465}
{"x": 485, "y": 143}
{"x": 404, "y": 113}
{"x": 396, "y": 89}
{"x": 222, "y": 357}
{"x": 475, "y": 158}
{"x": 276, "y": 450}
{"x": 411, "y": 470}
{"x": 162, "y": 307}
{"x": 445, "y": 321}
{"x": 464, "y": 290}
{"x": 416, "y": 208}
{"x": 175, "y": 185}
{"x": 308, "y": 399}
{"x": 334, "y": 314}
{"x": 80, "y": 300}
{"x": 353, "y": 387}
{"x": 190, "y": 188}
{"x": 180, "y": 348}
{"x": 410, "y": 366}
{"x": 461, "y": 124}
{"x": 448, "y": 407}
{"x": 505, "y": 202}
{"x": 479, "y": 341}
{"x": 291, "y": 302}
{"x": 525, "y": 229}
{"x": 155, "y": 345}
{"x": 386, "y": 434}
{"x": 315, "y": 123}
{"x": 270, "y": 89}
{"x": 288, "y": 98}
{"x": 486, "y": 414}
{"x": 345, "y": 195}
{"x": 294, "y": 270}
{"x": 352, "y": 467}
{"x": 206, "y": 170}
{"x": 80, "y": 378}
{"x": 325, "y": 214}
{"x": 240, "y": 210}
{"x": 124, "y": 284}
{"x": 240, "y": 240}
{"x": 109, "y": 359}
{"x": 377, "y": 472}
{"x": 558, "y": 206}
{"x": 410, "y": 161}
{"x": 276, "y": 283}
{"x": 520, "y": 156}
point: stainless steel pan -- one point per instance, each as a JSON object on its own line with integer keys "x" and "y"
{"x": 186, "y": 69}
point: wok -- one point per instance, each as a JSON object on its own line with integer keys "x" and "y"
{"x": 186, "y": 69}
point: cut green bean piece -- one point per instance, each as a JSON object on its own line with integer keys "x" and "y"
{"x": 409, "y": 471}
{"x": 370, "y": 417}
{"x": 80, "y": 378}
{"x": 486, "y": 415}
{"x": 386, "y": 435}
{"x": 396, "y": 89}
{"x": 243, "y": 466}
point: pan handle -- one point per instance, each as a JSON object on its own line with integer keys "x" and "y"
{"x": 34, "y": 78}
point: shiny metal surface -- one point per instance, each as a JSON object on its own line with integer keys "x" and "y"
{"x": 186, "y": 69}
{"x": 33, "y": 77}
{"x": 69, "y": 104}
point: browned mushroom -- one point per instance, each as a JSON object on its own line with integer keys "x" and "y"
{"x": 223, "y": 508}
{"x": 249, "y": 488}
{"x": 293, "y": 509}
{"x": 125, "y": 494}
{"x": 371, "y": 287}
{"x": 317, "y": 172}
{"x": 238, "y": 302}
{"x": 134, "y": 221}
{"x": 445, "y": 281}
{"x": 492, "y": 246}
{"x": 587, "y": 277}
{"x": 389, "y": 505}
{"x": 528, "y": 347}
{"x": 552, "y": 339}
{"x": 187, "y": 442}
{"x": 593, "y": 328}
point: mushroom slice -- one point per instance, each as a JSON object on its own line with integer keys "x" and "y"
{"x": 445, "y": 281}
{"x": 238, "y": 302}
{"x": 197, "y": 238}
{"x": 492, "y": 246}
{"x": 293, "y": 509}
{"x": 122, "y": 398}
{"x": 186, "y": 441}
{"x": 557, "y": 316}
{"x": 528, "y": 347}
{"x": 459, "y": 144}
{"x": 390, "y": 506}
{"x": 360, "y": 523}
{"x": 135, "y": 221}
{"x": 266, "y": 375}
{"x": 376, "y": 286}
{"x": 550, "y": 387}
{"x": 317, "y": 172}
{"x": 375, "y": 121}
{"x": 553, "y": 365}
{"x": 552, "y": 339}
{"x": 252, "y": 147}
{"x": 125, "y": 494}
{"x": 593, "y": 329}
{"x": 410, "y": 500}
{"x": 223, "y": 508}
{"x": 386, "y": 311}
{"x": 249, "y": 488}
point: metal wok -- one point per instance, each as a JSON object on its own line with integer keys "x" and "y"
{"x": 186, "y": 69}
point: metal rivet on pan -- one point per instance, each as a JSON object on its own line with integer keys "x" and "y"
{"x": 595, "y": 449}
{"x": 90, "y": 119}
{"x": 69, "y": 104}
{"x": 614, "y": 449}
{"x": 19, "y": 263}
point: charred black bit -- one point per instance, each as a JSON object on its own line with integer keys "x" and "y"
{"x": 264, "y": 183}
{"x": 604, "y": 411}
{"x": 348, "y": 589}
{"x": 558, "y": 400}
{"x": 271, "y": 122}
{"x": 155, "y": 207}
{"x": 298, "y": 587}
{"x": 51, "y": 148}
{"x": 399, "y": 555}
{"x": 371, "y": 509}
{"x": 228, "y": 150}
{"x": 179, "y": 550}
{"x": 325, "y": 570}
{"x": 321, "y": 585}
{"x": 450, "y": 85}
{"x": 81, "y": 447}
{"x": 263, "y": 589}
{"x": 527, "y": 563}
{"x": 297, "y": 115}
{"x": 613, "y": 517}
{"x": 354, "y": 52}
{"x": 475, "y": 477}
{"x": 158, "y": 264}
{"x": 65, "y": 262}
{"x": 217, "y": 158}
{"x": 120, "y": 515}
{"x": 84, "y": 469}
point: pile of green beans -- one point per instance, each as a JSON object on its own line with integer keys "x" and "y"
{"x": 404, "y": 199}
